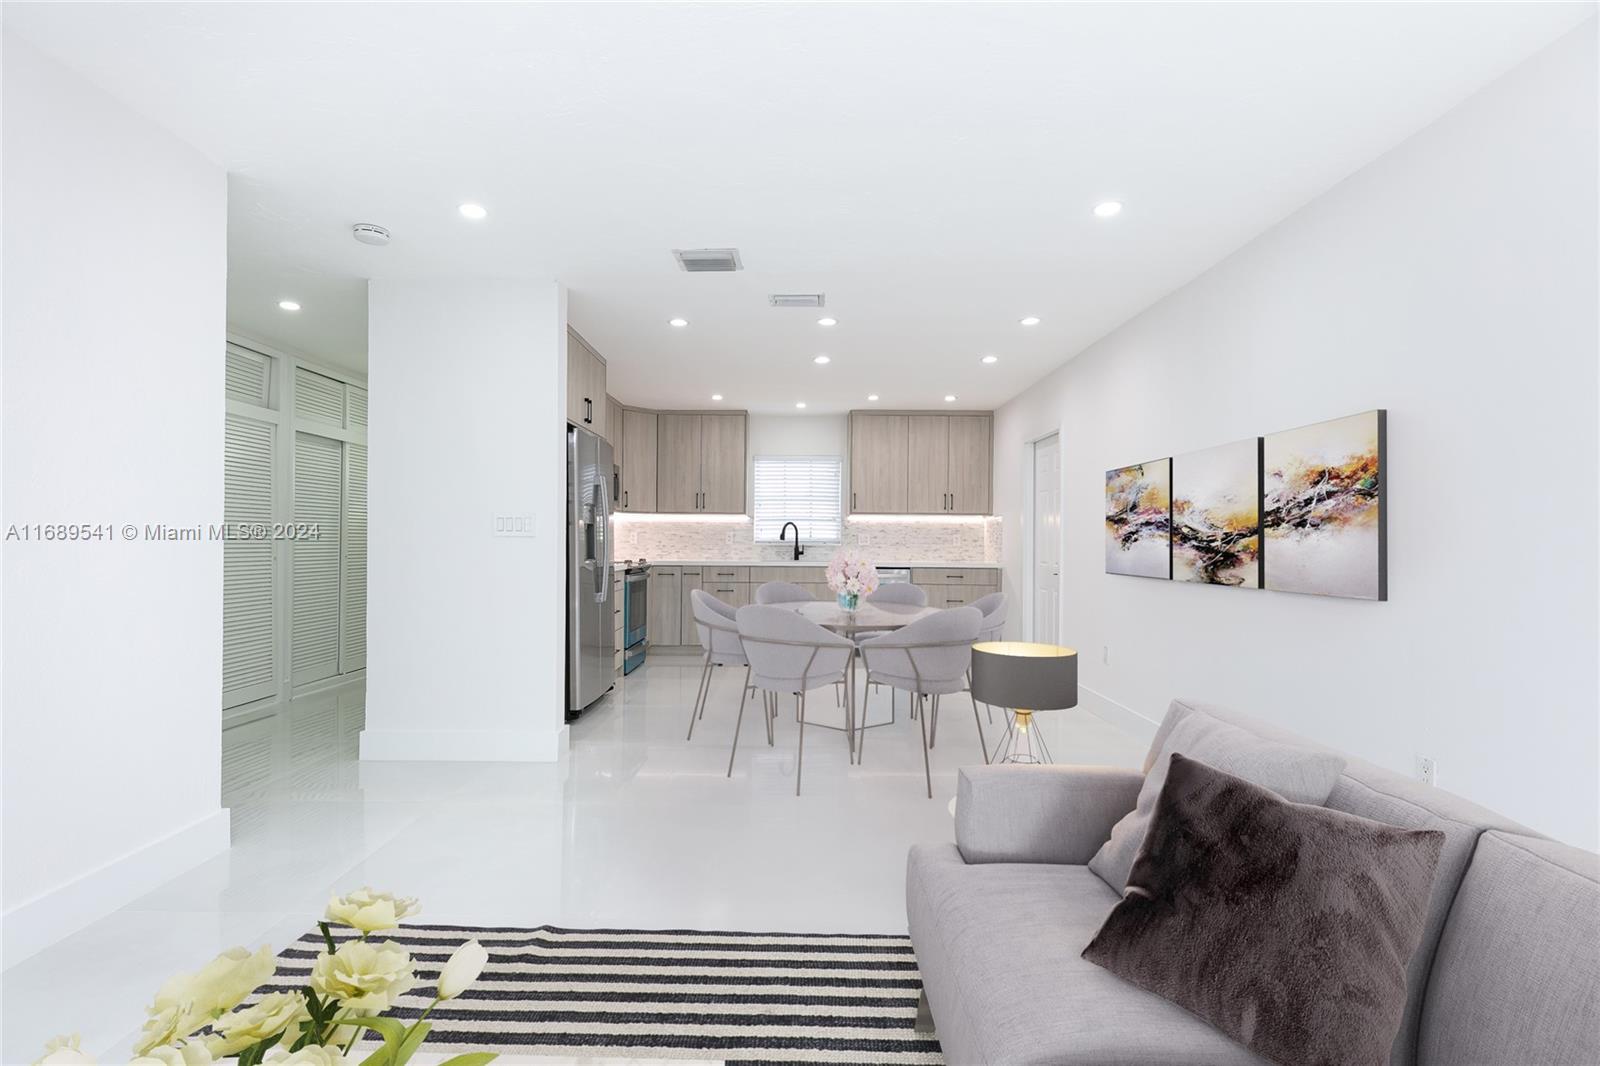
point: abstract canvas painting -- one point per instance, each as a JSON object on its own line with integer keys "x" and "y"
{"x": 1216, "y": 515}
{"x": 1323, "y": 516}
{"x": 1139, "y": 520}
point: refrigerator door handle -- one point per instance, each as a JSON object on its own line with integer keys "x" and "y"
{"x": 603, "y": 498}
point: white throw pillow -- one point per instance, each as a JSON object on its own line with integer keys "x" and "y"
{"x": 1300, "y": 775}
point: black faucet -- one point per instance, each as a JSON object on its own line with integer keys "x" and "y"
{"x": 783, "y": 534}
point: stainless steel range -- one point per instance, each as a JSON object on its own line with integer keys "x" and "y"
{"x": 635, "y": 610}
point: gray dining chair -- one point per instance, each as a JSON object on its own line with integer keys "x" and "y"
{"x": 789, "y": 654}
{"x": 900, "y": 592}
{"x": 781, "y": 592}
{"x": 715, "y": 623}
{"x": 993, "y": 607}
{"x": 928, "y": 658}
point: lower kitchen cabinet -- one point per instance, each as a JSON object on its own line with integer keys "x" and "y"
{"x": 665, "y": 617}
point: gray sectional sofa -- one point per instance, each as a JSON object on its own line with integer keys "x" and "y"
{"x": 1507, "y": 974}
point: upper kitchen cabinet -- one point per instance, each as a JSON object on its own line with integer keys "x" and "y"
{"x": 638, "y": 461}
{"x": 920, "y": 463}
{"x": 700, "y": 463}
{"x": 586, "y": 385}
{"x": 878, "y": 459}
{"x": 614, "y": 427}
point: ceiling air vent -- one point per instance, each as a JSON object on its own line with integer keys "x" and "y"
{"x": 708, "y": 260}
{"x": 797, "y": 299}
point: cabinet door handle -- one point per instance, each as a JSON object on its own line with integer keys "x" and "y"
{"x": 952, "y": 501}
{"x": 624, "y": 497}
{"x": 852, "y": 501}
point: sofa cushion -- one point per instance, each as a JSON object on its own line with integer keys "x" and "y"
{"x": 1384, "y": 796}
{"x": 1285, "y": 925}
{"x": 1517, "y": 975}
{"x": 1299, "y": 774}
{"x": 998, "y": 945}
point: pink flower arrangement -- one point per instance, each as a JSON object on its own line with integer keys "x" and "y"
{"x": 850, "y": 574}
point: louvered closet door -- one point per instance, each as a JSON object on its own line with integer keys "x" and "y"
{"x": 318, "y": 398}
{"x": 353, "y": 624}
{"x": 249, "y": 569}
{"x": 318, "y": 499}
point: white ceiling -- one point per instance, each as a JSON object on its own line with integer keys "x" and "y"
{"x": 931, "y": 168}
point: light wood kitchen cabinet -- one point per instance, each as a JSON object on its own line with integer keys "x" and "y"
{"x": 700, "y": 463}
{"x": 614, "y": 428}
{"x": 878, "y": 463}
{"x": 677, "y": 463}
{"x": 971, "y": 463}
{"x": 921, "y": 463}
{"x": 693, "y": 578}
{"x": 664, "y": 621}
{"x": 638, "y": 461}
{"x": 928, "y": 471}
{"x": 586, "y": 385}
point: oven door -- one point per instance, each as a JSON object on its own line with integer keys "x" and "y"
{"x": 635, "y": 608}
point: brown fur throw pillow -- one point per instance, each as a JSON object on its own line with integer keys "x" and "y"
{"x": 1288, "y": 927}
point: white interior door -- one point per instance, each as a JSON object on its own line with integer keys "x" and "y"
{"x": 1047, "y": 540}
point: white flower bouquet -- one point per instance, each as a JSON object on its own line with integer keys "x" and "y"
{"x": 851, "y": 576}
{"x": 196, "y": 1018}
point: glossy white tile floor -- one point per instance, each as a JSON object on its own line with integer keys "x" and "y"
{"x": 636, "y": 828}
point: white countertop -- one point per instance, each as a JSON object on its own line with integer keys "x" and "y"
{"x": 819, "y": 563}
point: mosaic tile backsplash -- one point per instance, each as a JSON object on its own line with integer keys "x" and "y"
{"x": 887, "y": 540}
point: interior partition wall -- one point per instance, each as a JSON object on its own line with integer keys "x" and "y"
{"x": 294, "y": 559}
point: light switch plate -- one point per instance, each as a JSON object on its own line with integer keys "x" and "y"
{"x": 513, "y": 525}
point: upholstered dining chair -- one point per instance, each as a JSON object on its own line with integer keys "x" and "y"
{"x": 928, "y": 658}
{"x": 901, "y": 592}
{"x": 789, "y": 654}
{"x": 993, "y": 607}
{"x": 719, "y": 639}
{"x": 781, "y": 592}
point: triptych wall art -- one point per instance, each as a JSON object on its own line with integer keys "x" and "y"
{"x": 1297, "y": 511}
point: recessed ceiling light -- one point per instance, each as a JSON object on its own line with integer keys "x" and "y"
{"x": 717, "y": 396}
{"x": 949, "y": 399}
{"x": 801, "y": 405}
{"x": 288, "y": 305}
{"x": 473, "y": 211}
{"x": 678, "y": 322}
{"x": 873, "y": 398}
{"x": 822, "y": 360}
{"x": 1109, "y": 209}
{"x": 991, "y": 359}
{"x": 1031, "y": 320}
{"x": 827, "y": 321}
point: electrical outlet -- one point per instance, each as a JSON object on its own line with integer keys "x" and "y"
{"x": 1105, "y": 654}
{"x": 1427, "y": 770}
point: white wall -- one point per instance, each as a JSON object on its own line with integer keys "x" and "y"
{"x": 465, "y": 630}
{"x": 1452, "y": 282}
{"x": 115, "y": 271}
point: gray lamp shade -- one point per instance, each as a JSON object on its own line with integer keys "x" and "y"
{"x": 1034, "y": 677}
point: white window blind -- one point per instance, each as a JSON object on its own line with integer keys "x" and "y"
{"x": 805, "y": 490}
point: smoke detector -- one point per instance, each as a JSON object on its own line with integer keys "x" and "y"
{"x": 797, "y": 299}
{"x": 367, "y": 233}
{"x": 708, "y": 260}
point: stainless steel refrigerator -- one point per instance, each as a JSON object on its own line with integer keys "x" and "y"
{"x": 591, "y": 663}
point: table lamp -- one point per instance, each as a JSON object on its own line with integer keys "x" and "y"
{"x": 1024, "y": 678}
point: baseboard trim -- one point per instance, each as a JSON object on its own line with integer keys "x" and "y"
{"x": 463, "y": 745}
{"x": 35, "y": 924}
{"x": 1120, "y": 715}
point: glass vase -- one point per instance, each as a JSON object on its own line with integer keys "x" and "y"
{"x": 849, "y": 601}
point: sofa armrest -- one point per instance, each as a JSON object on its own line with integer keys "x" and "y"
{"x": 1042, "y": 814}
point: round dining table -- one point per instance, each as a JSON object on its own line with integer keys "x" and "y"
{"x": 868, "y": 617}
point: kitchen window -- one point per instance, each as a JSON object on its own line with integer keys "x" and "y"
{"x": 805, "y": 490}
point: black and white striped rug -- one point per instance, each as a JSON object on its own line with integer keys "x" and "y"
{"x": 664, "y": 994}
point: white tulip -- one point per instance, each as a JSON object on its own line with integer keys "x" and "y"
{"x": 64, "y": 1051}
{"x": 310, "y": 1055}
{"x": 192, "y": 1054}
{"x": 464, "y": 966}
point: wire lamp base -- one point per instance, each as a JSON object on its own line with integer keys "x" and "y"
{"x": 1022, "y": 742}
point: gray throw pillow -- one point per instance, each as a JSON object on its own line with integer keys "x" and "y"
{"x": 1286, "y": 926}
{"x": 1298, "y": 774}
